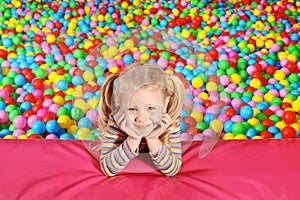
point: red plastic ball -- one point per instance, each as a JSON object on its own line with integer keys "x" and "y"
{"x": 34, "y": 136}
{"x": 48, "y": 117}
{"x": 266, "y": 135}
{"x": 38, "y": 83}
{"x": 289, "y": 117}
{"x": 288, "y": 132}
{"x": 192, "y": 131}
{"x": 9, "y": 88}
{"x": 190, "y": 121}
{"x": 28, "y": 113}
{"x": 267, "y": 122}
{"x": 230, "y": 112}
{"x": 10, "y": 101}
{"x": 29, "y": 98}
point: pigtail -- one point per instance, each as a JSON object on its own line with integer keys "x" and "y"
{"x": 174, "y": 106}
{"x": 105, "y": 104}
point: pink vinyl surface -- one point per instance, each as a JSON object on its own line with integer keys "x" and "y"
{"x": 55, "y": 169}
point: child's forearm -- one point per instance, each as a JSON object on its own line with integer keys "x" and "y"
{"x": 164, "y": 159}
{"x": 115, "y": 160}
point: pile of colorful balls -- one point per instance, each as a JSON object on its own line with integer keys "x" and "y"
{"x": 239, "y": 61}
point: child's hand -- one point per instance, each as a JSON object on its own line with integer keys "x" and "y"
{"x": 121, "y": 121}
{"x": 160, "y": 127}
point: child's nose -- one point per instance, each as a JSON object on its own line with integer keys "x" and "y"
{"x": 142, "y": 116}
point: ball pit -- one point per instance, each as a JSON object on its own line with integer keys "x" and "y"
{"x": 239, "y": 62}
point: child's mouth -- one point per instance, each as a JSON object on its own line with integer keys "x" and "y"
{"x": 143, "y": 126}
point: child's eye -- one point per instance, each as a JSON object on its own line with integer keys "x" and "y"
{"x": 151, "y": 108}
{"x": 132, "y": 109}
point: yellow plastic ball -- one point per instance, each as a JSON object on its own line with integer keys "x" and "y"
{"x": 50, "y": 38}
{"x": 253, "y": 121}
{"x": 235, "y": 78}
{"x": 296, "y": 105}
{"x": 201, "y": 34}
{"x": 190, "y": 67}
{"x": 9, "y": 137}
{"x": 197, "y": 82}
{"x": 88, "y": 44}
{"x": 279, "y": 75}
{"x": 203, "y": 95}
{"x": 112, "y": 51}
{"x": 185, "y": 33}
{"x": 228, "y": 136}
{"x": 88, "y": 76}
{"x": 257, "y": 137}
{"x": 128, "y": 44}
{"x": 280, "y": 125}
{"x": 72, "y": 129}
{"x": 198, "y": 116}
{"x": 257, "y": 99}
{"x": 240, "y": 137}
{"x": 23, "y": 137}
{"x": 93, "y": 102}
{"x": 58, "y": 100}
{"x": 259, "y": 43}
{"x": 268, "y": 97}
{"x": 293, "y": 58}
{"x": 216, "y": 125}
{"x": 256, "y": 83}
{"x": 211, "y": 86}
{"x": 114, "y": 69}
{"x": 64, "y": 121}
{"x": 145, "y": 57}
{"x": 83, "y": 133}
{"x": 19, "y": 28}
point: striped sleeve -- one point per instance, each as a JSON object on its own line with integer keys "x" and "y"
{"x": 168, "y": 160}
{"x": 115, "y": 152}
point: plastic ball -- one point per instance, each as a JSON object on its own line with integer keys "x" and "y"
{"x": 38, "y": 127}
{"x": 288, "y": 132}
{"x": 64, "y": 121}
{"x": 289, "y": 117}
{"x": 20, "y": 122}
{"x": 52, "y": 126}
{"x": 83, "y": 133}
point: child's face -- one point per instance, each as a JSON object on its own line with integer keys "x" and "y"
{"x": 146, "y": 107}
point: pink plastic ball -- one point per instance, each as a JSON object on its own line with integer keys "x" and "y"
{"x": 18, "y": 132}
{"x": 186, "y": 137}
{"x": 92, "y": 115}
{"x": 31, "y": 120}
{"x": 51, "y": 137}
{"x": 19, "y": 122}
{"x": 4, "y": 93}
{"x": 3, "y": 116}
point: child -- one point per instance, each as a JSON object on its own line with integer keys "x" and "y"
{"x": 141, "y": 114}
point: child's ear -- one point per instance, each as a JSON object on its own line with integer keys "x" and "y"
{"x": 167, "y": 100}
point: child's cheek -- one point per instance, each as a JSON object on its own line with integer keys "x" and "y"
{"x": 131, "y": 116}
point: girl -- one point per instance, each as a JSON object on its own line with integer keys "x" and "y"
{"x": 141, "y": 114}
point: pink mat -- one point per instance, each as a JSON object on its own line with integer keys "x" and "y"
{"x": 254, "y": 169}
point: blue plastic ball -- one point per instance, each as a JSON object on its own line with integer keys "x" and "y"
{"x": 246, "y": 112}
{"x": 52, "y": 126}
{"x": 25, "y": 106}
{"x": 85, "y": 123}
{"x": 62, "y": 85}
{"x": 66, "y": 136}
{"x": 19, "y": 80}
{"x": 38, "y": 127}
{"x": 127, "y": 59}
{"x": 228, "y": 126}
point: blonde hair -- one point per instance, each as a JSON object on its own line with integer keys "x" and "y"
{"x": 135, "y": 76}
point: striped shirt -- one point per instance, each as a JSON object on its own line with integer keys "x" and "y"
{"x": 116, "y": 153}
